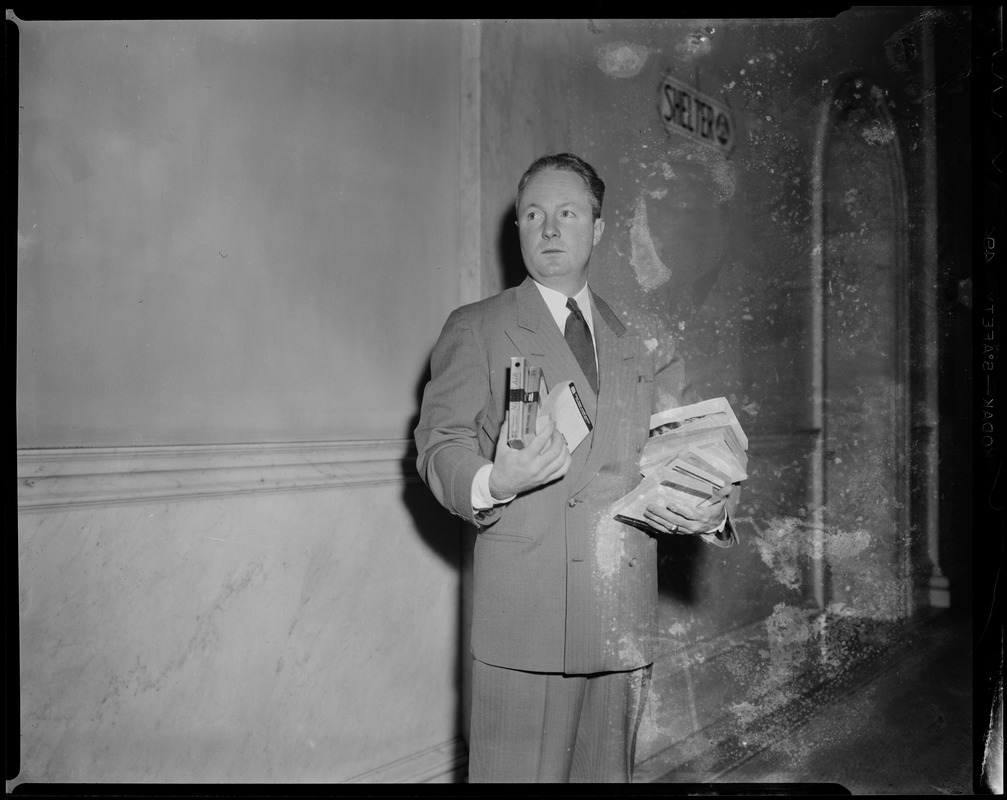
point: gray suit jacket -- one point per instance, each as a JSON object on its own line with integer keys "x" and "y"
{"x": 559, "y": 585}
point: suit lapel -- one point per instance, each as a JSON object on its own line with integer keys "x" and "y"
{"x": 617, "y": 370}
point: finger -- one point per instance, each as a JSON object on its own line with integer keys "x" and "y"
{"x": 666, "y": 516}
{"x": 542, "y": 438}
{"x": 557, "y": 473}
{"x": 503, "y": 438}
{"x": 557, "y": 466}
{"x": 661, "y": 523}
{"x": 557, "y": 445}
{"x": 679, "y": 508}
{"x": 677, "y": 522}
{"x": 711, "y": 507}
{"x": 688, "y": 523}
{"x": 554, "y": 449}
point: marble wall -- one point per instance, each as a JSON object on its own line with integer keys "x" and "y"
{"x": 230, "y": 277}
{"x": 202, "y": 628}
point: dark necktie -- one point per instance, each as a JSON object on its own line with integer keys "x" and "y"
{"x": 578, "y": 336}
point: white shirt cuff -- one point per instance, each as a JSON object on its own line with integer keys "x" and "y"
{"x": 481, "y": 497}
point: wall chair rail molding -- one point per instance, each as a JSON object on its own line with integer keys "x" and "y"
{"x": 51, "y": 479}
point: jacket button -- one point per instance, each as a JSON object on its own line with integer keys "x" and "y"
{"x": 633, "y": 562}
{"x": 572, "y": 502}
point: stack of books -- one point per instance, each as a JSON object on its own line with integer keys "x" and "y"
{"x": 530, "y": 404}
{"x": 693, "y": 452}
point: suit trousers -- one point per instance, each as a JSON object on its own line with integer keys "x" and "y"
{"x": 532, "y": 727}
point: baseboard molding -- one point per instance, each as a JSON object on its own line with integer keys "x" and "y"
{"x": 53, "y": 479}
{"x": 443, "y": 763}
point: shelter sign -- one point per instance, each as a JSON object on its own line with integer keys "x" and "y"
{"x": 691, "y": 113}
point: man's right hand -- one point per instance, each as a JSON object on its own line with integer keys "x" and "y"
{"x": 544, "y": 459}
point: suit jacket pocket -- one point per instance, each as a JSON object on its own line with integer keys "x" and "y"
{"x": 504, "y": 536}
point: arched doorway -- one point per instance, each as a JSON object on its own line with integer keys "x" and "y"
{"x": 862, "y": 364}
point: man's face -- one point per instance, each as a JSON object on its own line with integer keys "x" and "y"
{"x": 557, "y": 229}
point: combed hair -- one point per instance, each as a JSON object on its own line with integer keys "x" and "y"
{"x": 570, "y": 163}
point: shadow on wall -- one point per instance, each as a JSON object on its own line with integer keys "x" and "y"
{"x": 446, "y": 534}
{"x": 679, "y": 567}
{"x": 509, "y": 250}
{"x": 439, "y": 529}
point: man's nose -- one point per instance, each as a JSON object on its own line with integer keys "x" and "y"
{"x": 549, "y": 229}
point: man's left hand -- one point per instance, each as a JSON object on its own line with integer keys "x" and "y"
{"x": 680, "y": 517}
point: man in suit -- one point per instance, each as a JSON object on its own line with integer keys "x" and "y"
{"x": 565, "y": 597}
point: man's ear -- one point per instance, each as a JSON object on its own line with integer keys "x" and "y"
{"x": 599, "y": 226}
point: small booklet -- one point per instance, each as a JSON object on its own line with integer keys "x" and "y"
{"x": 531, "y": 405}
{"x": 563, "y": 405}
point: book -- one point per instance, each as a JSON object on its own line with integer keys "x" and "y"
{"x": 692, "y": 463}
{"x": 515, "y": 404}
{"x": 692, "y": 453}
{"x": 533, "y": 381}
{"x": 704, "y": 414}
{"x": 716, "y": 443}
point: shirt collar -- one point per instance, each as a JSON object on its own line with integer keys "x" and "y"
{"x": 556, "y": 301}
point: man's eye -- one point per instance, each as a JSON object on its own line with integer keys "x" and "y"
{"x": 567, "y": 213}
